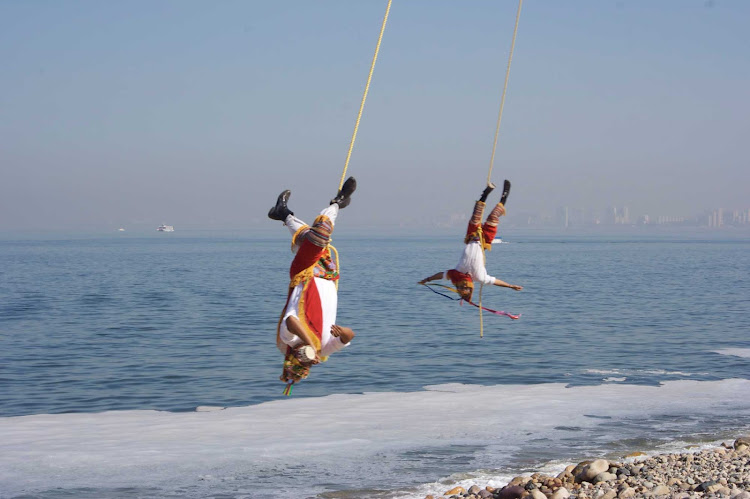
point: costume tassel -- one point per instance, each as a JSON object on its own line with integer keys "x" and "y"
{"x": 288, "y": 389}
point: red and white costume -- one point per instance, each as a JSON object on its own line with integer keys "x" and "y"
{"x": 313, "y": 297}
{"x": 471, "y": 266}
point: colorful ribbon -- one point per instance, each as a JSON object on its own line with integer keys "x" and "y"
{"x": 497, "y": 312}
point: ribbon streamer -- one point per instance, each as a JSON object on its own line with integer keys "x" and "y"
{"x": 497, "y": 312}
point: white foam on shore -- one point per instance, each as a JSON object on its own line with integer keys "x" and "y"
{"x": 269, "y": 446}
{"x": 735, "y": 352}
{"x": 639, "y": 372}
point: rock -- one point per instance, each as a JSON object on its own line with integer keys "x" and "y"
{"x": 742, "y": 495}
{"x": 578, "y": 467}
{"x": 661, "y": 490}
{"x": 537, "y": 494}
{"x": 626, "y": 492}
{"x": 561, "y": 493}
{"x": 565, "y": 476}
{"x": 703, "y": 486}
{"x": 485, "y": 494}
{"x": 604, "y": 477}
{"x": 510, "y": 492}
{"x": 474, "y": 489}
{"x": 519, "y": 480}
{"x": 719, "y": 489}
{"x": 455, "y": 491}
{"x": 745, "y": 440}
{"x": 592, "y": 469}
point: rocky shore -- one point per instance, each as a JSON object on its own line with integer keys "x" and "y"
{"x": 722, "y": 472}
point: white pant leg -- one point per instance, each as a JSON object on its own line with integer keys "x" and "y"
{"x": 293, "y": 223}
{"x": 292, "y": 310}
{"x": 331, "y": 211}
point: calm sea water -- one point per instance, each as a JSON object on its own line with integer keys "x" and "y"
{"x": 170, "y": 322}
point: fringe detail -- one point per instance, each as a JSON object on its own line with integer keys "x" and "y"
{"x": 302, "y": 276}
{"x": 320, "y": 233}
{"x": 494, "y": 217}
{"x": 476, "y": 217}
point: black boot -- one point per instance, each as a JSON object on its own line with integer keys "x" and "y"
{"x": 343, "y": 198}
{"x": 506, "y": 191}
{"x": 280, "y": 211}
{"x": 490, "y": 187}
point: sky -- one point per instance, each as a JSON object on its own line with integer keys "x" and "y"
{"x": 197, "y": 114}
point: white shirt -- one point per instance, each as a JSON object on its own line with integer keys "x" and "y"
{"x": 472, "y": 263}
{"x": 329, "y": 303}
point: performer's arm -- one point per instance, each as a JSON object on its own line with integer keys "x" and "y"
{"x": 295, "y": 327}
{"x": 434, "y": 277}
{"x": 346, "y": 334}
{"x": 504, "y": 284}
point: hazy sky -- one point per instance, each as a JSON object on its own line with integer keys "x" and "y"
{"x": 197, "y": 113}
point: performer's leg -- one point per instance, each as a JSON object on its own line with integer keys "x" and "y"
{"x": 294, "y": 224}
{"x": 331, "y": 211}
{"x": 314, "y": 242}
{"x": 489, "y": 228}
{"x": 476, "y": 219}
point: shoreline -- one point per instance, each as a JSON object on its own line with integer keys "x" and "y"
{"x": 722, "y": 471}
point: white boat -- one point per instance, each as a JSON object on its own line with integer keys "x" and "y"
{"x": 165, "y": 228}
{"x": 497, "y": 240}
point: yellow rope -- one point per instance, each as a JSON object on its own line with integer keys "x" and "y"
{"x": 492, "y": 157}
{"x": 364, "y": 96}
{"x": 481, "y": 284}
{"x": 505, "y": 89}
{"x": 359, "y": 117}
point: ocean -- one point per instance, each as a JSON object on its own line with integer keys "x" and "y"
{"x": 144, "y": 365}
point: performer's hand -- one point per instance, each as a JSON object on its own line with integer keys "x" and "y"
{"x": 344, "y": 333}
{"x": 517, "y": 288}
{"x": 422, "y": 282}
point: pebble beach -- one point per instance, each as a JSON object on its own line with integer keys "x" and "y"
{"x": 722, "y": 472}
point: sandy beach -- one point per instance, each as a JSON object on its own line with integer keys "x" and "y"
{"x": 723, "y": 471}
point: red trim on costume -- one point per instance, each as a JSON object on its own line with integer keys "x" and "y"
{"x": 313, "y": 309}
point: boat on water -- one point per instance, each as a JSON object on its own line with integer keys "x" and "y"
{"x": 497, "y": 240}
{"x": 165, "y": 228}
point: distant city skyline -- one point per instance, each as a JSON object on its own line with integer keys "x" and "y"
{"x": 566, "y": 216}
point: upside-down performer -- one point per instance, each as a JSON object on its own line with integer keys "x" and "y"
{"x": 307, "y": 332}
{"x": 471, "y": 266}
